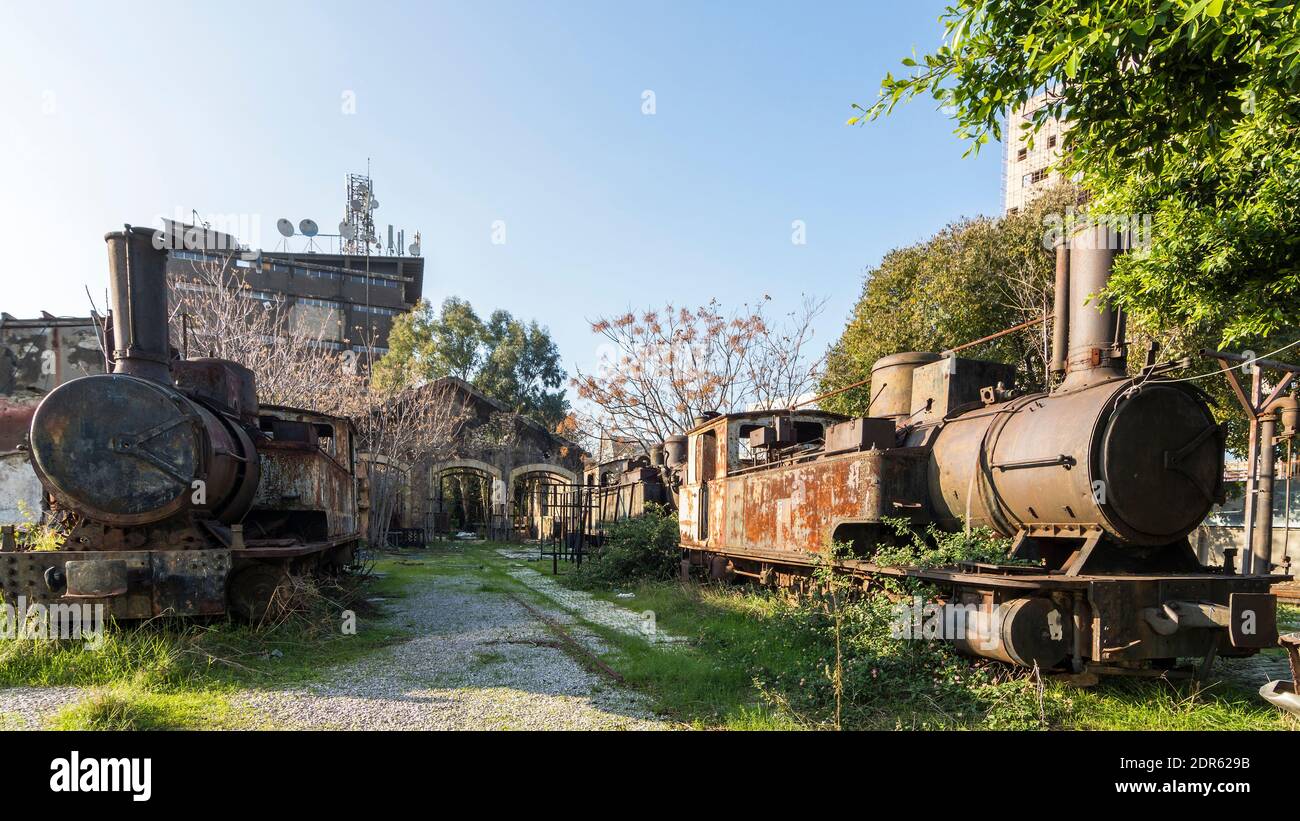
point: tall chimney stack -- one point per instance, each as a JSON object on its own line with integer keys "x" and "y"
{"x": 1096, "y": 350}
{"x": 137, "y": 272}
{"x": 1061, "y": 309}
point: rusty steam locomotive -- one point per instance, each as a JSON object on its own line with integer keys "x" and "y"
{"x": 1098, "y": 482}
{"x": 177, "y": 494}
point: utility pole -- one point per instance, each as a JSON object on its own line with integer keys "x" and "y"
{"x": 1261, "y": 456}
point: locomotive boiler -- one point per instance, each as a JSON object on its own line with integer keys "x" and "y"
{"x": 176, "y": 493}
{"x": 1097, "y": 482}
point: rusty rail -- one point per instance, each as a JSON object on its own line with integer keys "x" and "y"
{"x": 567, "y": 640}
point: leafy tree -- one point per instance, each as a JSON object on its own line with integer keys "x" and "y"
{"x": 974, "y": 278}
{"x": 514, "y": 362}
{"x": 520, "y": 363}
{"x": 1185, "y": 110}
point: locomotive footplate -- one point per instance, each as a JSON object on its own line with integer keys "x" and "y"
{"x": 131, "y": 584}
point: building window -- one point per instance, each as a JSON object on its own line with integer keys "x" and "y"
{"x": 1051, "y": 141}
{"x": 1022, "y": 154}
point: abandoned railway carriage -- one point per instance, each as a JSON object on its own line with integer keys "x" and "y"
{"x": 1098, "y": 482}
{"x": 176, "y": 493}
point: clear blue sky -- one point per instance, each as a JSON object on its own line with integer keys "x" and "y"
{"x": 473, "y": 112}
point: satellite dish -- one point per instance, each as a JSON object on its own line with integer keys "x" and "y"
{"x": 308, "y": 228}
{"x": 358, "y": 204}
{"x": 414, "y": 249}
{"x": 284, "y": 227}
{"x": 347, "y": 231}
{"x": 374, "y": 203}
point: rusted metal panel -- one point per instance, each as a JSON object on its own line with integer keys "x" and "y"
{"x": 15, "y": 421}
{"x": 190, "y": 582}
{"x": 863, "y": 433}
{"x": 891, "y": 383}
{"x": 298, "y": 476}
{"x": 940, "y": 388}
{"x": 157, "y": 582}
{"x": 219, "y": 382}
{"x": 794, "y": 507}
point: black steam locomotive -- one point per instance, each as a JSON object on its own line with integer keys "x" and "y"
{"x": 175, "y": 491}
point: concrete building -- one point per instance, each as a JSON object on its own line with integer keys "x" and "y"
{"x": 1028, "y": 172}
{"x": 1225, "y": 527}
{"x": 354, "y": 298}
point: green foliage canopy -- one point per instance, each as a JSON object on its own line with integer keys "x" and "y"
{"x": 974, "y": 278}
{"x": 1185, "y": 110}
{"x": 514, "y": 362}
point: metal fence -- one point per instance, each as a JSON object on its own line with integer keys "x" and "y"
{"x": 571, "y": 520}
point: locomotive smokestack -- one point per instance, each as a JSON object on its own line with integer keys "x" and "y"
{"x": 137, "y": 272}
{"x": 1061, "y": 309}
{"x": 1095, "y": 330}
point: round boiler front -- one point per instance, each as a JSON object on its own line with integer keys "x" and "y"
{"x": 128, "y": 451}
{"x": 1161, "y": 459}
{"x": 1142, "y": 464}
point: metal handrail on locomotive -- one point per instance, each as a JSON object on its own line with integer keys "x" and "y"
{"x": 1098, "y": 482}
{"x": 175, "y": 491}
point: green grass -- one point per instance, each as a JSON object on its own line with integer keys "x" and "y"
{"x": 732, "y": 673}
{"x": 1288, "y": 617}
{"x": 128, "y": 708}
{"x": 737, "y": 638}
{"x": 180, "y": 674}
{"x": 1126, "y": 704}
{"x": 710, "y": 682}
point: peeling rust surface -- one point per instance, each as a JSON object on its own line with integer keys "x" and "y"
{"x": 304, "y": 477}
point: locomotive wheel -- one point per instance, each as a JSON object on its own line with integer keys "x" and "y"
{"x": 258, "y": 592}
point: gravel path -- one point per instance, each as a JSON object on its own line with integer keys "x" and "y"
{"x": 479, "y": 661}
{"x": 27, "y": 708}
{"x": 640, "y": 624}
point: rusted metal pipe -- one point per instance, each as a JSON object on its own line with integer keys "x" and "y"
{"x": 137, "y": 272}
{"x": 1031, "y": 323}
{"x": 1261, "y": 544}
{"x": 1061, "y": 310}
{"x": 1096, "y": 349}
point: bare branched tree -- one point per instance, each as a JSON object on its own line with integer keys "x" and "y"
{"x": 666, "y": 367}
{"x": 289, "y": 348}
{"x": 402, "y": 432}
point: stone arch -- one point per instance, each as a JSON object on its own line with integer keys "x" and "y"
{"x": 466, "y": 464}
{"x": 542, "y": 467}
{"x": 534, "y": 506}
{"x": 491, "y": 500}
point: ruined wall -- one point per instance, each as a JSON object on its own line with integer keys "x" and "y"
{"x": 36, "y": 356}
{"x": 498, "y": 444}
